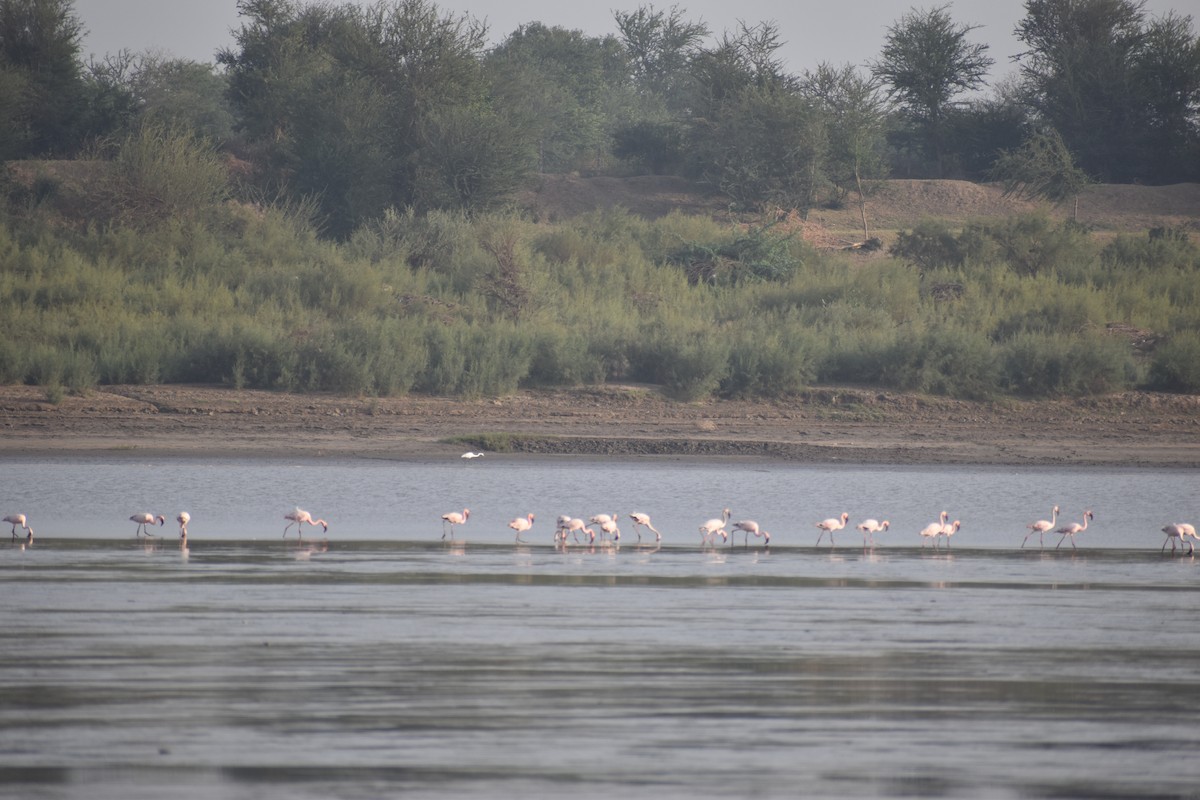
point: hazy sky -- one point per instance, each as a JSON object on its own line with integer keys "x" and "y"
{"x": 836, "y": 31}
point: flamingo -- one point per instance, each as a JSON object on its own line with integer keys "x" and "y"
{"x": 573, "y": 526}
{"x": 600, "y": 519}
{"x": 521, "y": 524}
{"x": 183, "y": 519}
{"x": 870, "y": 527}
{"x": 949, "y": 530}
{"x": 1074, "y": 528}
{"x": 832, "y": 524}
{"x": 560, "y": 532}
{"x": 610, "y": 528}
{"x": 715, "y": 526}
{"x": 934, "y": 530}
{"x": 469, "y": 455}
{"x": 749, "y": 526}
{"x": 454, "y": 518}
{"x": 1040, "y": 527}
{"x": 144, "y": 519}
{"x": 298, "y": 517}
{"x": 1180, "y": 531}
{"x": 18, "y": 521}
{"x": 641, "y": 520}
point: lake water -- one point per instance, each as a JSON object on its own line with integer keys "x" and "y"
{"x": 393, "y": 663}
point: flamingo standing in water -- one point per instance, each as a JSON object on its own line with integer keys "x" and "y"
{"x": 454, "y": 518}
{"x": 832, "y": 524}
{"x": 641, "y": 520}
{"x": 609, "y": 528}
{"x": 1040, "y": 527}
{"x": 574, "y": 526}
{"x": 715, "y": 526}
{"x": 749, "y": 526}
{"x": 870, "y": 527}
{"x": 144, "y": 519}
{"x": 934, "y": 530}
{"x": 948, "y": 530}
{"x": 298, "y": 517}
{"x": 18, "y": 521}
{"x": 1074, "y": 528}
{"x": 183, "y": 519}
{"x": 1180, "y": 531}
{"x": 521, "y": 524}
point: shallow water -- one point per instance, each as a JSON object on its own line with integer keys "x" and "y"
{"x": 392, "y": 664}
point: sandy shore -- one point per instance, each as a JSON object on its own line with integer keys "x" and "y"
{"x": 826, "y": 425}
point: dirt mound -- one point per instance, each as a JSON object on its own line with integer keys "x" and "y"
{"x": 895, "y": 204}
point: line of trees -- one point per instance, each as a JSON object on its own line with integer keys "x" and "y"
{"x": 400, "y": 104}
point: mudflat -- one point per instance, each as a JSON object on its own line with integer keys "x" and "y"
{"x": 848, "y": 425}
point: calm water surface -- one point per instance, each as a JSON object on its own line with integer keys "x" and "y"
{"x": 393, "y": 663}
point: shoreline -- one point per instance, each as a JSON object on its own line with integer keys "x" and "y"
{"x": 823, "y": 426}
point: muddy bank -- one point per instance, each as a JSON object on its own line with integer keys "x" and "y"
{"x": 824, "y": 425}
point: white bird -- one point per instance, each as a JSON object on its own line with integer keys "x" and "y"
{"x": 183, "y": 519}
{"x": 870, "y": 527}
{"x": 714, "y": 527}
{"x": 454, "y": 518}
{"x": 1040, "y": 527}
{"x": 18, "y": 521}
{"x": 1180, "y": 531}
{"x": 469, "y": 455}
{"x": 521, "y": 524}
{"x": 949, "y": 530}
{"x": 145, "y": 519}
{"x": 641, "y": 520}
{"x": 1074, "y": 528}
{"x": 299, "y": 517}
{"x": 609, "y": 528}
{"x": 600, "y": 519}
{"x": 575, "y": 526}
{"x": 832, "y": 524}
{"x": 934, "y": 530}
{"x": 749, "y": 526}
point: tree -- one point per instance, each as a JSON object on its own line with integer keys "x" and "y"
{"x": 1043, "y": 168}
{"x": 1167, "y": 69}
{"x": 661, "y": 46}
{"x": 926, "y": 63}
{"x": 855, "y": 115}
{"x": 567, "y": 90}
{"x": 40, "y": 73}
{"x": 1080, "y": 78}
{"x": 347, "y": 103}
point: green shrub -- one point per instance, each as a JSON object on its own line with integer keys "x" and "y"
{"x": 1176, "y": 364}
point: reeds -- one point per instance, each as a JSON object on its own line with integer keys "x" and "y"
{"x": 445, "y": 304}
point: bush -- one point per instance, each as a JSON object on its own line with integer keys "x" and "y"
{"x": 1176, "y": 364}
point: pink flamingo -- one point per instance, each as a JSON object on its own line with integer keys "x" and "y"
{"x": 1180, "y": 531}
{"x": 832, "y": 524}
{"x": 749, "y": 526}
{"x": 714, "y": 527}
{"x": 641, "y": 520}
{"x": 183, "y": 519}
{"x": 1040, "y": 527}
{"x": 521, "y": 524}
{"x": 949, "y": 530}
{"x": 600, "y": 519}
{"x": 934, "y": 530}
{"x": 870, "y": 527}
{"x": 299, "y": 517}
{"x": 1074, "y": 528}
{"x": 575, "y": 526}
{"x": 145, "y": 519}
{"x": 454, "y": 518}
{"x": 609, "y": 528}
{"x": 18, "y": 521}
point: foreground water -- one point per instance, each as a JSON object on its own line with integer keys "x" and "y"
{"x": 385, "y": 665}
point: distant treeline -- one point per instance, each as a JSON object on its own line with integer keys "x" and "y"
{"x": 401, "y": 105}
{"x": 322, "y": 210}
